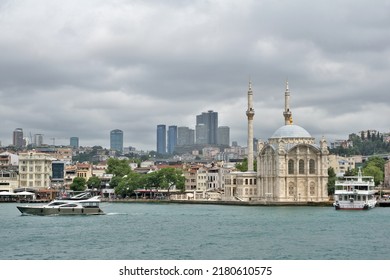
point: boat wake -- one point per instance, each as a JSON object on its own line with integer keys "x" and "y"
{"x": 112, "y": 214}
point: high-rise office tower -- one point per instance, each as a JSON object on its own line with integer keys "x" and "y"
{"x": 223, "y": 135}
{"x": 18, "y": 138}
{"x": 207, "y": 127}
{"x": 74, "y": 142}
{"x": 38, "y": 140}
{"x": 116, "y": 140}
{"x": 172, "y": 138}
{"x": 201, "y": 133}
{"x": 185, "y": 136}
{"x": 161, "y": 139}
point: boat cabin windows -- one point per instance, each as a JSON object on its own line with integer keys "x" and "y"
{"x": 56, "y": 203}
{"x": 68, "y": 205}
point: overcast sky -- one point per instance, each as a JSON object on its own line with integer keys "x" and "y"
{"x": 83, "y": 68}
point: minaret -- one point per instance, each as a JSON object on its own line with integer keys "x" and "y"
{"x": 250, "y": 113}
{"x": 287, "y": 113}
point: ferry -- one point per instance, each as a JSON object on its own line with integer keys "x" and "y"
{"x": 355, "y": 193}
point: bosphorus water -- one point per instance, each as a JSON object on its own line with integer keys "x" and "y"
{"x": 163, "y": 231}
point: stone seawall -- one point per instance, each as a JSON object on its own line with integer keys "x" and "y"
{"x": 212, "y": 202}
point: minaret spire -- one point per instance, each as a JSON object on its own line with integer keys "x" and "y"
{"x": 250, "y": 112}
{"x": 287, "y": 113}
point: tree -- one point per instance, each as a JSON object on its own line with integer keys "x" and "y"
{"x": 331, "y": 180}
{"x": 351, "y": 172}
{"x": 94, "y": 182}
{"x": 375, "y": 167}
{"x": 128, "y": 184}
{"x": 151, "y": 180}
{"x": 372, "y": 170}
{"x": 169, "y": 177}
{"x": 118, "y": 167}
{"x": 78, "y": 184}
{"x": 243, "y": 166}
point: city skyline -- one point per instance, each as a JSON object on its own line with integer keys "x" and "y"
{"x": 92, "y": 67}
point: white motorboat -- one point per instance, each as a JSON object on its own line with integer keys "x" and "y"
{"x": 355, "y": 193}
{"x": 77, "y": 205}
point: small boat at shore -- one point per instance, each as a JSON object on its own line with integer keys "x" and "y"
{"x": 77, "y": 205}
{"x": 355, "y": 193}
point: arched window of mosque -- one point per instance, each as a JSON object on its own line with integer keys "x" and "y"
{"x": 301, "y": 166}
{"x": 312, "y": 166}
{"x": 246, "y": 181}
{"x": 290, "y": 166}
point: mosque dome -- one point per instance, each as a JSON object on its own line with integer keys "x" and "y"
{"x": 291, "y": 131}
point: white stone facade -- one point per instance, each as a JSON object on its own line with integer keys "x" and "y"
{"x": 35, "y": 170}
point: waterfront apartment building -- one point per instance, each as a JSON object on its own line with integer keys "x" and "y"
{"x": 386, "y": 182}
{"x": 341, "y": 164}
{"x": 172, "y": 138}
{"x": 116, "y": 140}
{"x": 161, "y": 139}
{"x": 18, "y": 138}
{"x": 202, "y": 182}
{"x": 35, "y": 170}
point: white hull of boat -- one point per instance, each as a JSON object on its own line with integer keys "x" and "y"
{"x": 344, "y": 205}
{"x": 44, "y": 211}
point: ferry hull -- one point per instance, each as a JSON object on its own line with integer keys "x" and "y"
{"x": 42, "y": 211}
{"x": 353, "y": 206}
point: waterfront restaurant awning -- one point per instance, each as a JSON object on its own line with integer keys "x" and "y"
{"x": 24, "y": 193}
{"x": 7, "y": 193}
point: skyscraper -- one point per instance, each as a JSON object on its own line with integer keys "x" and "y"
{"x": 18, "y": 138}
{"x": 224, "y": 135}
{"x": 116, "y": 140}
{"x": 172, "y": 138}
{"x": 38, "y": 140}
{"x": 74, "y": 142}
{"x": 207, "y": 127}
{"x": 161, "y": 139}
{"x": 185, "y": 136}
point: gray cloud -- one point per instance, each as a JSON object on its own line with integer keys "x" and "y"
{"x": 84, "y": 68}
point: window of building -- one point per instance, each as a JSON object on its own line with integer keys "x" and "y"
{"x": 312, "y": 166}
{"x": 301, "y": 166}
{"x": 290, "y": 166}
